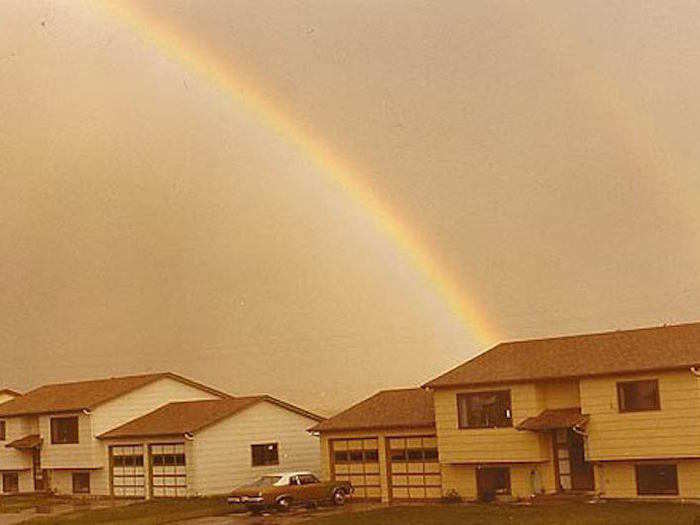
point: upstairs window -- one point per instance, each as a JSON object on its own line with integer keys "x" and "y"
{"x": 484, "y": 409}
{"x": 64, "y": 430}
{"x": 3, "y": 431}
{"x": 265, "y": 454}
{"x": 638, "y": 396}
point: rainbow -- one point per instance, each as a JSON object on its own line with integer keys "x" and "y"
{"x": 197, "y": 59}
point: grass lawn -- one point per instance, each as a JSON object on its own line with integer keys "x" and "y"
{"x": 546, "y": 513}
{"x": 142, "y": 512}
{"x": 551, "y": 513}
{"x": 18, "y": 503}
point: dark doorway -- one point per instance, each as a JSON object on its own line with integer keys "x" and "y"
{"x": 574, "y": 472}
{"x": 39, "y": 480}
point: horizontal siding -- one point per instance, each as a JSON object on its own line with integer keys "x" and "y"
{"x": 559, "y": 394}
{"x": 141, "y": 401}
{"x": 525, "y": 480}
{"x": 490, "y": 444}
{"x": 15, "y": 428}
{"x": 221, "y": 454}
{"x": 6, "y": 397}
{"x": 618, "y": 479}
{"x": 673, "y": 431}
{"x": 130, "y": 406}
{"x": 74, "y": 455}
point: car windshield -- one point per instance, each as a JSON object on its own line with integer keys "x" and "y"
{"x": 266, "y": 481}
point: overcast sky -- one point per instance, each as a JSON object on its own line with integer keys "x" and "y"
{"x": 546, "y": 154}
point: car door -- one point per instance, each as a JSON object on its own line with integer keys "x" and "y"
{"x": 295, "y": 489}
{"x": 312, "y": 488}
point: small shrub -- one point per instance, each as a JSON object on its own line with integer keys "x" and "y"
{"x": 452, "y": 497}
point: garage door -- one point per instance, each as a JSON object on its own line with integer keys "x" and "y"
{"x": 168, "y": 471}
{"x": 357, "y": 461}
{"x": 127, "y": 474}
{"x": 414, "y": 467}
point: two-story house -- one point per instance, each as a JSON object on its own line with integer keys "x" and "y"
{"x": 617, "y": 414}
{"x": 146, "y": 435}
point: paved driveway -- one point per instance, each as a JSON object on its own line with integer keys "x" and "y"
{"x": 293, "y": 517}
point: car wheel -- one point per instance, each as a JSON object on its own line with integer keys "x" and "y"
{"x": 284, "y": 504}
{"x": 338, "y": 497}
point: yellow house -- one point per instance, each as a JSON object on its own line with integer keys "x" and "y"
{"x": 616, "y": 414}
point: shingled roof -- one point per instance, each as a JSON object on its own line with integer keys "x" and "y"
{"x": 412, "y": 407}
{"x": 187, "y": 417}
{"x": 9, "y": 392}
{"x": 627, "y": 351}
{"x": 67, "y": 397}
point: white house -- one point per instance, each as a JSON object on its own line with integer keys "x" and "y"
{"x": 148, "y": 435}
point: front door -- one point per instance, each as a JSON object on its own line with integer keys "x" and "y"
{"x": 39, "y": 481}
{"x": 574, "y": 472}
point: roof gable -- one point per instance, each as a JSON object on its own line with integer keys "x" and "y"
{"x": 619, "y": 352}
{"x": 411, "y": 407}
{"x": 192, "y": 416}
{"x": 81, "y": 395}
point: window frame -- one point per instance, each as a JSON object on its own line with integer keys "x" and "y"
{"x": 54, "y": 421}
{"x": 463, "y": 419}
{"x": 508, "y": 489}
{"x": 620, "y": 385}
{"x": 265, "y": 463}
{"x": 76, "y": 475}
{"x": 673, "y": 491}
{"x": 15, "y": 477}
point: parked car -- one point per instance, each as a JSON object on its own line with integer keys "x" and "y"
{"x": 287, "y": 489}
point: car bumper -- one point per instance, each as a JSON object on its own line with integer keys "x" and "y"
{"x": 246, "y": 501}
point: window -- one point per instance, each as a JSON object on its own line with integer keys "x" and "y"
{"x": 265, "y": 454}
{"x": 3, "y": 430}
{"x": 637, "y": 396}
{"x": 10, "y": 482}
{"x": 657, "y": 479}
{"x": 484, "y": 409}
{"x": 64, "y": 430}
{"x": 493, "y": 481}
{"x": 81, "y": 483}
{"x": 308, "y": 479}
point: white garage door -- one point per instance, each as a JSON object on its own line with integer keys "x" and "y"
{"x": 357, "y": 461}
{"x": 168, "y": 470}
{"x": 128, "y": 479}
{"x": 414, "y": 467}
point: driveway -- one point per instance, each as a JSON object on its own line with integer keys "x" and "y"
{"x": 297, "y": 515}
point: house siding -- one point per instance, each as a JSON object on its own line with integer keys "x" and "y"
{"x": 525, "y": 479}
{"x": 130, "y": 406}
{"x": 4, "y": 397}
{"x": 15, "y": 428}
{"x": 618, "y": 479}
{"x": 484, "y": 445}
{"x": 221, "y": 454}
{"x": 671, "y": 432}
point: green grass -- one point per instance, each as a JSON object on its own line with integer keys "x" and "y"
{"x": 553, "y": 513}
{"x": 13, "y": 504}
{"x": 546, "y": 513}
{"x": 142, "y": 512}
